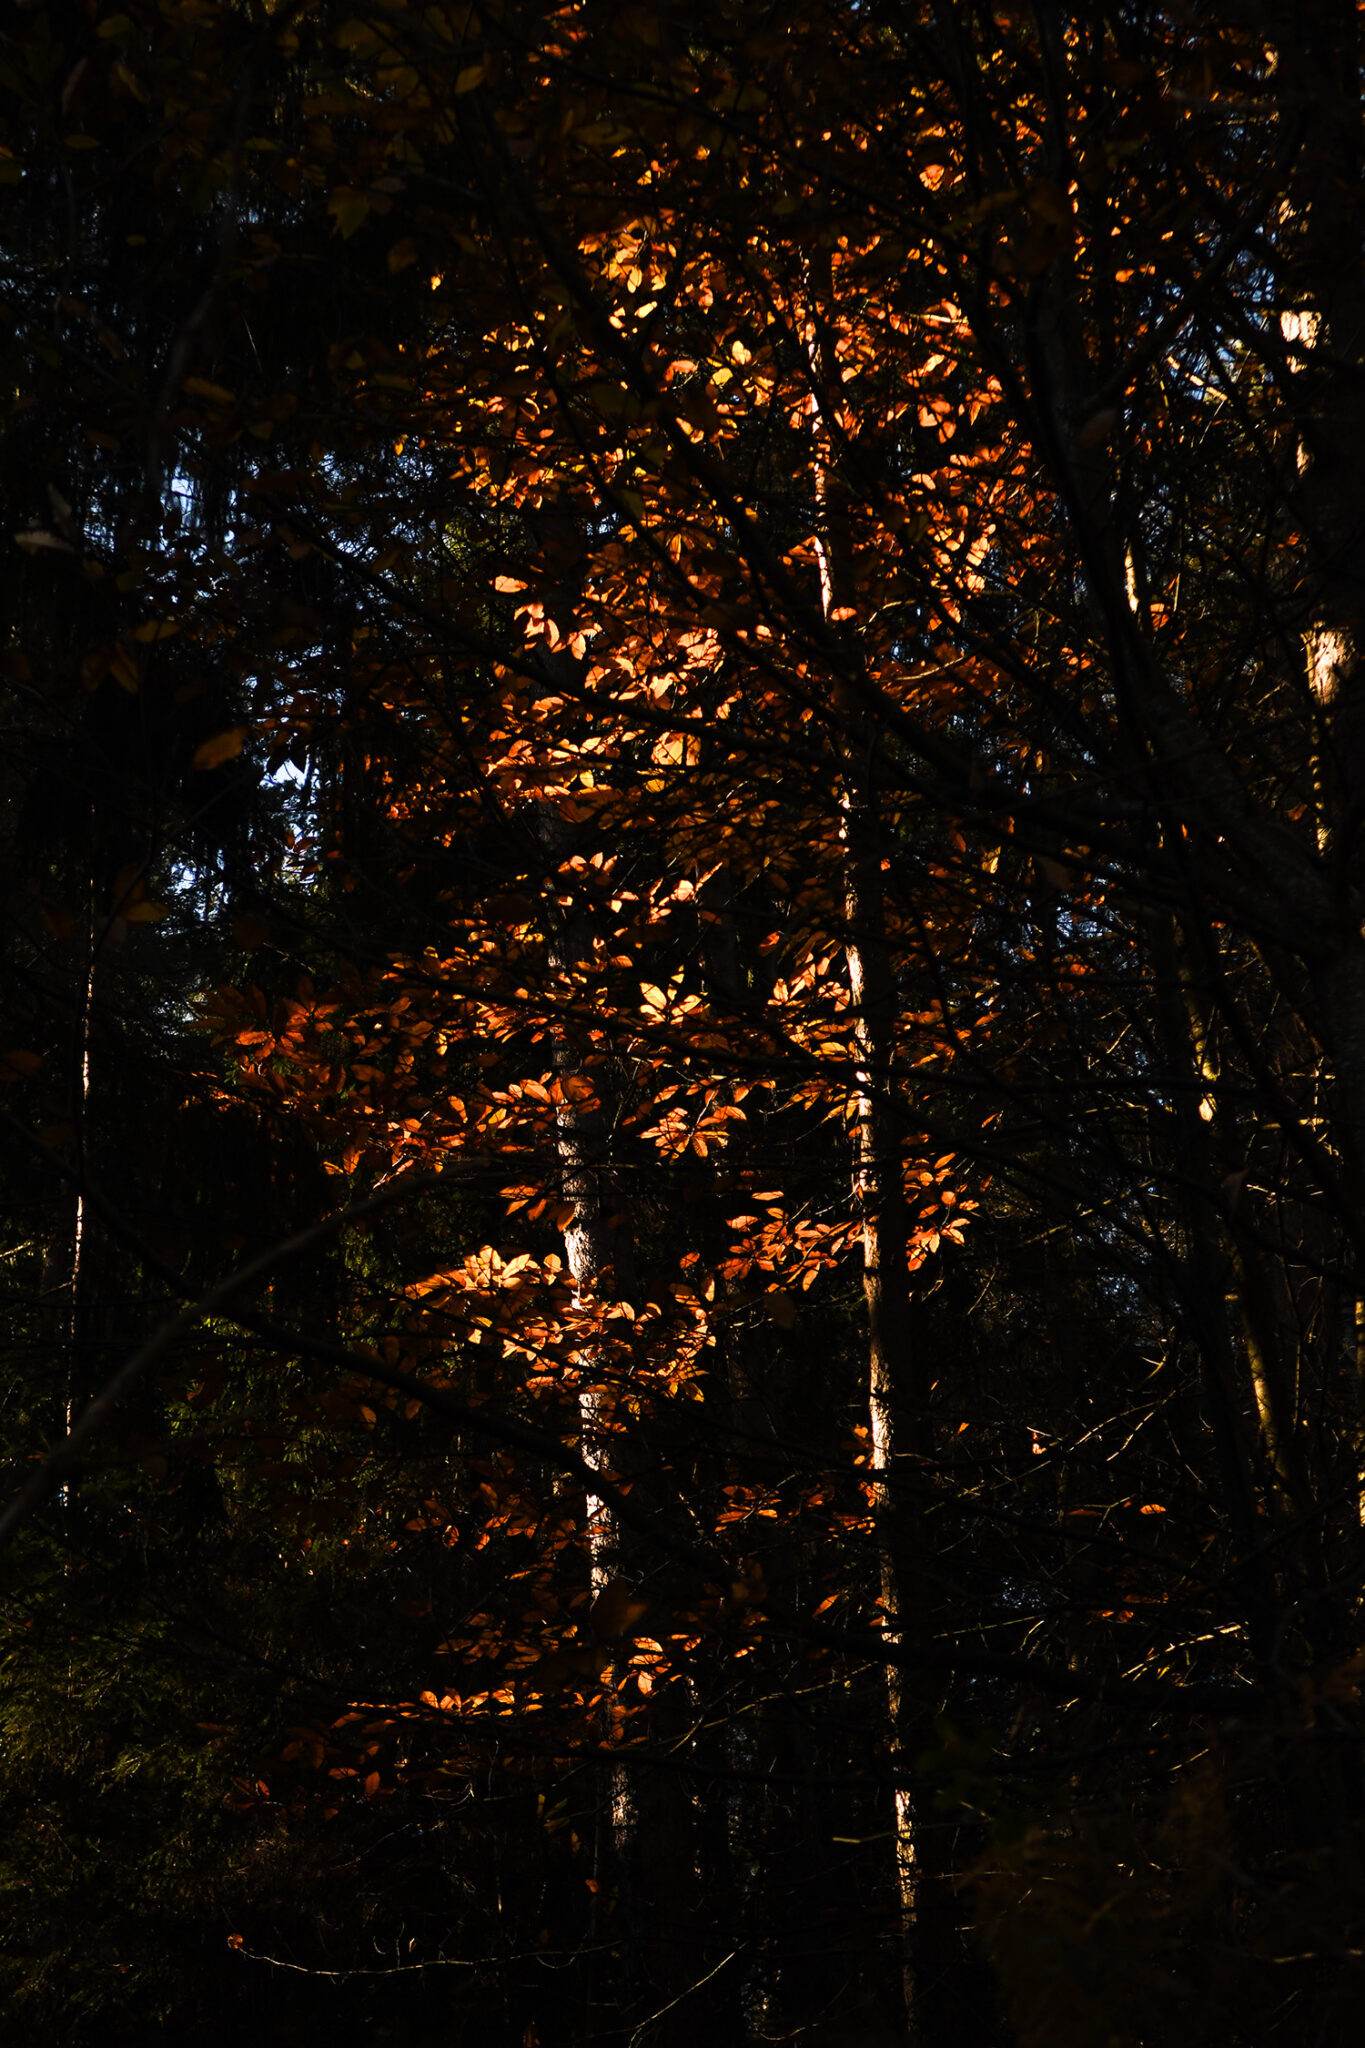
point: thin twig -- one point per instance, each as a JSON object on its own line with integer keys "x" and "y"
{"x": 663, "y": 2009}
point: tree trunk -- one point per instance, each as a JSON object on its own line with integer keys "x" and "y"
{"x": 644, "y": 1865}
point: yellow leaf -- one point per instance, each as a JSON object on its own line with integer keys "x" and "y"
{"x": 352, "y": 216}
{"x": 217, "y": 394}
{"x": 147, "y": 912}
{"x": 358, "y": 36}
{"x": 124, "y": 670}
{"x": 466, "y": 80}
{"x": 349, "y": 208}
{"x": 224, "y": 746}
{"x": 402, "y": 255}
{"x": 156, "y": 629}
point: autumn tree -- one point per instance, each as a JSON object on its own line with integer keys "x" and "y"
{"x": 793, "y": 576}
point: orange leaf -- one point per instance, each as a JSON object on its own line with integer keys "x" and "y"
{"x": 19, "y": 1062}
{"x": 224, "y": 746}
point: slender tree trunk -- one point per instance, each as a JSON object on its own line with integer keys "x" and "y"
{"x": 588, "y": 1256}
{"x": 77, "y": 1333}
{"x": 879, "y": 1198}
{"x": 644, "y": 1865}
{"x": 1319, "y": 56}
{"x": 879, "y": 1194}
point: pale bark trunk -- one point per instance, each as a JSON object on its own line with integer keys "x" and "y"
{"x": 589, "y": 1256}
{"x": 644, "y": 1867}
{"x": 879, "y": 1194}
{"x": 879, "y": 1198}
{"x": 77, "y": 1317}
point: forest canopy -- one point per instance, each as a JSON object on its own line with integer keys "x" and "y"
{"x": 682, "y": 1032}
